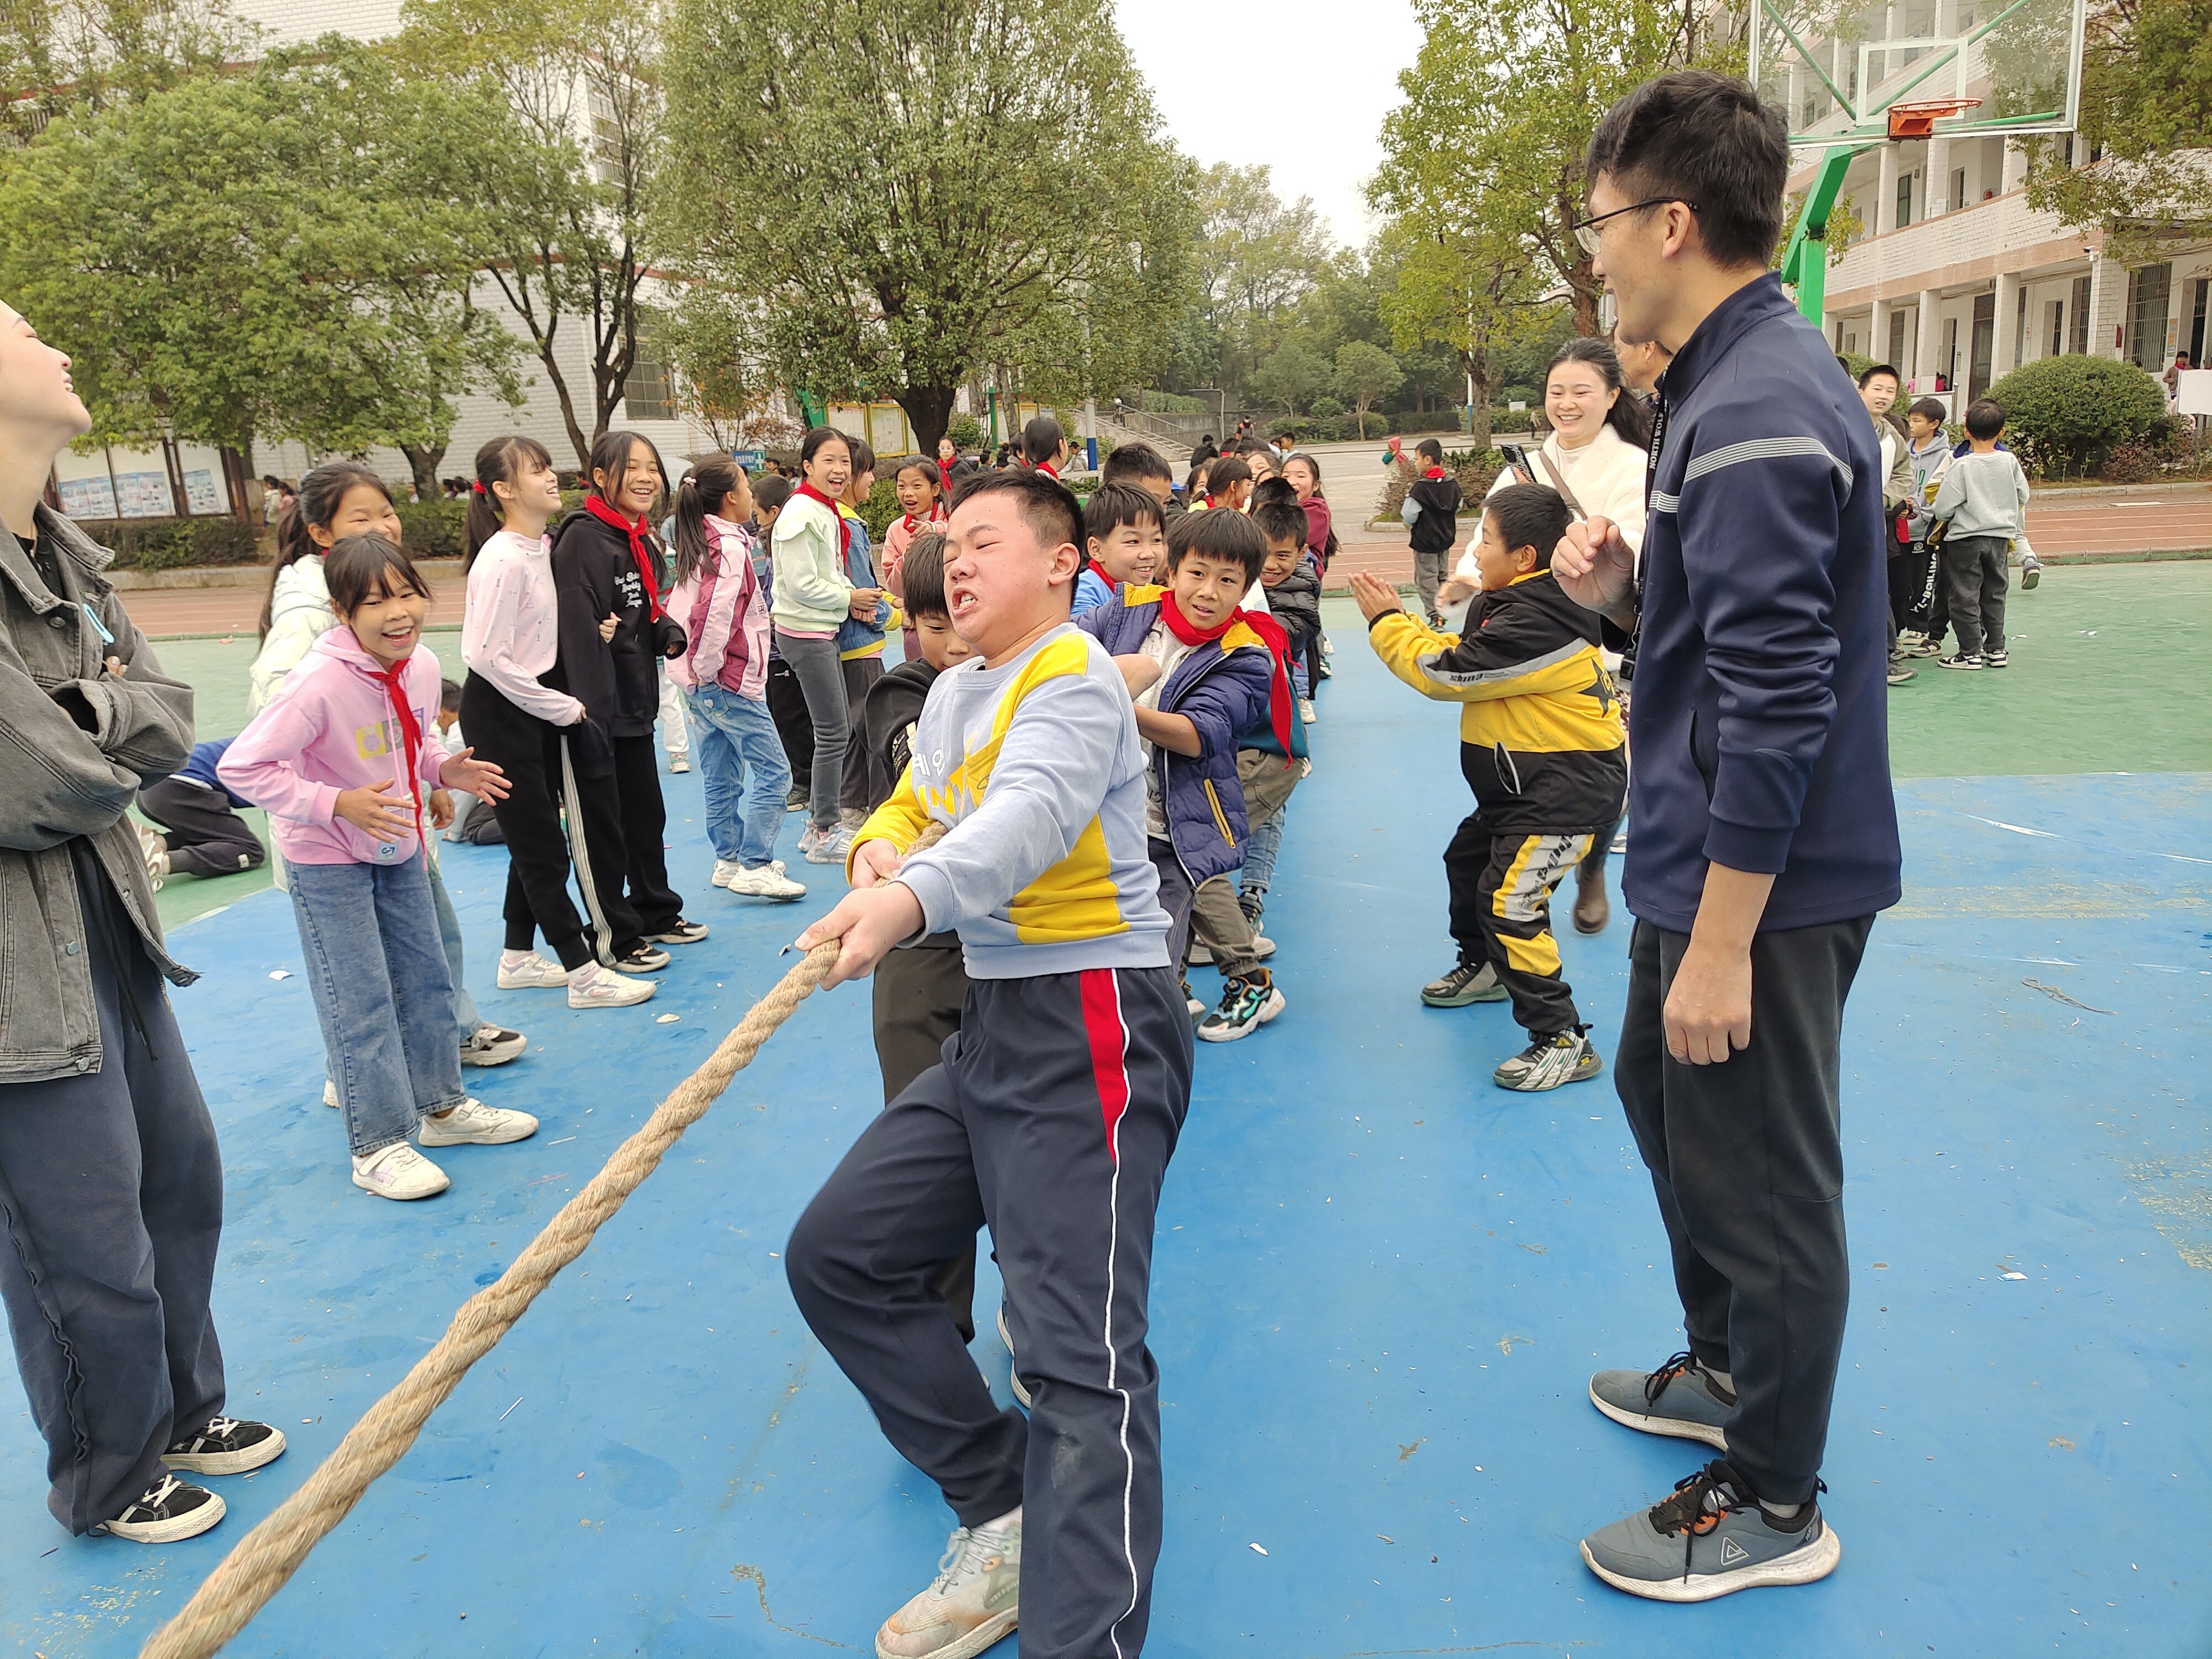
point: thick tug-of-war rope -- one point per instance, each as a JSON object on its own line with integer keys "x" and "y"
{"x": 263, "y": 1561}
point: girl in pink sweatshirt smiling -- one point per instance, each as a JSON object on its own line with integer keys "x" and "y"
{"x": 341, "y": 760}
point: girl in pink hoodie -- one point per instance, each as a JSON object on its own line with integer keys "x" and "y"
{"x": 341, "y": 759}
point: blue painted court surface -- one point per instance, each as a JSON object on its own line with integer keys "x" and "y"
{"x": 1380, "y": 1285}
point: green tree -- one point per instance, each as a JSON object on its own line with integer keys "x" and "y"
{"x": 907, "y": 209}
{"x": 1258, "y": 259}
{"x": 1498, "y": 107}
{"x": 2146, "y": 118}
{"x": 1293, "y": 375}
{"x": 59, "y": 55}
{"x": 1365, "y": 375}
{"x": 557, "y": 133}
{"x": 234, "y": 257}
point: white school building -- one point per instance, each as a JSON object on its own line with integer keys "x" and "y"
{"x": 1959, "y": 277}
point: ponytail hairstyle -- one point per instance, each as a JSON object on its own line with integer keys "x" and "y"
{"x": 315, "y": 503}
{"x": 500, "y": 461}
{"x": 1628, "y": 416}
{"x": 702, "y": 491}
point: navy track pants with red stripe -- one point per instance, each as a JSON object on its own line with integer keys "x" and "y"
{"x": 1051, "y": 1120}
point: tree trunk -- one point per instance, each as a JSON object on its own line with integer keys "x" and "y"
{"x": 1477, "y": 366}
{"x": 423, "y": 462}
{"x": 929, "y": 412}
{"x": 234, "y": 478}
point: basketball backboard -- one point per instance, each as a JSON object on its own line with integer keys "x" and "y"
{"x": 1837, "y": 67}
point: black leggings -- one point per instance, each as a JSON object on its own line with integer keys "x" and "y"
{"x": 542, "y": 777}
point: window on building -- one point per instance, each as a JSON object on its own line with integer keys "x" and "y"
{"x": 606, "y": 138}
{"x": 1903, "y": 200}
{"x": 2197, "y": 321}
{"x": 1897, "y": 338}
{"x": 1958, "y": 188}
{"x": 2020, "y": 331}
{"x": 648, "y": 394}
{"x": 2077, "y": 338}
{"x": 1984, "y": 342}
{"x": 2146, "y": 321}
{"x": 1949, "y": 366}
{"x": 2054, "y": 329}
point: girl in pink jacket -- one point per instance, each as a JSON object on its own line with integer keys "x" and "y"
{"x": 344, "y": 761}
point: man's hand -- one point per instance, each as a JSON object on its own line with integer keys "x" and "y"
{"x": 1597, "y": 568}
{"x": 477, "y": 777}
{"x": 1708, "y": 1014}
{"x": 875, "y": 862}
{"x": 441, "y": 809}
{"x": 868, "y": 923}
{"x": 372, "y": 812}
{"x": 1374, "y": 596}
{"x": 1138, "y": 672}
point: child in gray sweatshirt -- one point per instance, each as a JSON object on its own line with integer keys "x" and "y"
{"x": 1983, "y": 502}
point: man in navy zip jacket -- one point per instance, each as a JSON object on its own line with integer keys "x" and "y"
{"x": 1765, "y": 831}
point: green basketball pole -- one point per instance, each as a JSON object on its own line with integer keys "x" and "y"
{"x": 1805, "y": 263}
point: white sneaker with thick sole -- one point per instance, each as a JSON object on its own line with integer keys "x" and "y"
{"x": 974, "y": 1602}
{"x": 399, "y": 1172}
{"x": 168, "y": 1509}
{"x": 594, "y": 986}
{"x": 472, "y": 1123}
{"x": 831, "y": 847}
{"x": 330, "y": 1092}
{"x": 1306, "y": 711}
{"x": 155, "y": 847}
{"x": 492, "y": 1045}
{"x": 532, "y": 973}
{"x": 768, "y": 881}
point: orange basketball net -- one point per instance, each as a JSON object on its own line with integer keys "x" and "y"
{"x": 1918, "y": 120}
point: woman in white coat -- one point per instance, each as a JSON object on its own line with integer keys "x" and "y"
{"x": 1599, "y": 447}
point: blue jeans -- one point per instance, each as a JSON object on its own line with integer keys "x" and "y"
{"x": 736, "y": 731}
{"x": 383, "y": 995}
{"x": 1259, "y": 857}
{"x": 449, "y": 935}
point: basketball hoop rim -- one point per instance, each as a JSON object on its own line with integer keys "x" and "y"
{"x": 1910, "y": 121}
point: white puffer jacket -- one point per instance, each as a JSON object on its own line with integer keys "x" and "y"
{"x": 299, "y": 614}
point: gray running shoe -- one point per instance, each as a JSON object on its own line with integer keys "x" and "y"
{"x": 1547, "y": 1062}
{"x": 1681, "y": 1399}
{"x": 1710, "y": 1539}
{"x": 1466, "y": 984}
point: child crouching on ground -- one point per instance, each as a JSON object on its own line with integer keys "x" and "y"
{"x": 1542, "y": 745}
{"x": 1052, "y": 1115}
{"x": 344, "y": 762}
{"x": 1202, "y": 671}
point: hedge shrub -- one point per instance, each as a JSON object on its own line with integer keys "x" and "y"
{"x": 1475, "y": 472}
{"x": 2066, "y": 415}
{"x": 175, "y": 544}
{"x": 434, "y": 530}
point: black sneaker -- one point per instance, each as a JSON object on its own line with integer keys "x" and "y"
{"x": 492, "y": 1045}
{"x": 640, "y": 958}
{"x": 679, "y": 932}
{"x": 1970, "y": 660}
{"x": 1469, "y": 982}
{"x": 1899, "y": 673}
{"x": 168, "y": 1509}
{"x": 228, "y": 1445}
{"x": 1995, "y": 660}
{"x": 1246, "y": 1006}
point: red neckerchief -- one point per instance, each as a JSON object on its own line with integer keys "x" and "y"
{"x": 411, "y": 732}
{"x": 913, "y": 525}
{"x": 1106, "y": 576}
{"x": 635, "y": 531}
{"x": 1047, "y": 468}
{"x": 844, "y": 528}
{"x": 1271, "y": 634}
{"x": 1434, "y": 472}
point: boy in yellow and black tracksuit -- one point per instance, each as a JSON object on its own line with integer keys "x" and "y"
{"x": 1543, "y": 747}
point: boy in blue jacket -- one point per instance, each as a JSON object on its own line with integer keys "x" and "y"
{"x": 1199, "y": 672}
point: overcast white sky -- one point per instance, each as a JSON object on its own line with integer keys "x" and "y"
{"x": 1311, "y": 82}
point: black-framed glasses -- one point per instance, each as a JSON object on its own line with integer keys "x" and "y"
{"x": 1586, "y": 231}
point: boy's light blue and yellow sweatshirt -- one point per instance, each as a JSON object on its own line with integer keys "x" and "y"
{"x": 1037, "y": 769}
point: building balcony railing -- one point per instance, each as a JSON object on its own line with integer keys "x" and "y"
{"x": 1970, "y": 246}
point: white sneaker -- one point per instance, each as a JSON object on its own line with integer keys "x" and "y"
{"x": 330, "y": 1092}
{"x": 1306, "y": 711}
{"x": 723, "y": 869}
{"x": 679, "y": 763}
{"x": 472, "y": 1123}
{"x": 766, "y": 882}
{"x": 974, "y": 1602}
{"x": 830, "y": 848}
{"x": 532, "y": 973}
{"x": 492, "y": 1045}
{"x": 399, "y": 1171}
{"x": 594, "y": 986}
{"x": 156, "y": 851}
